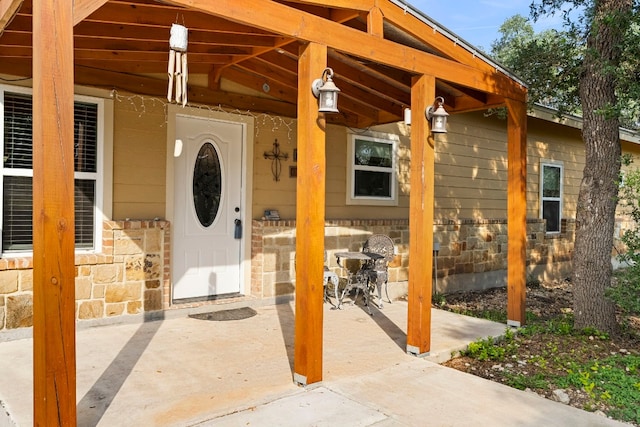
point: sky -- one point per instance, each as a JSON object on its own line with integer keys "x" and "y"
{"x": 478, "y": 21}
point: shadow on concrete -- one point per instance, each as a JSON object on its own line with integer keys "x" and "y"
{"x": 387, "y": 325}
{"x": 97, "y": 400}
{"x": 286, "y": 317}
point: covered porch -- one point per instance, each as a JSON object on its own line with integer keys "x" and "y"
{"x": 182, "y": 371}
{"x": 386, "y": 57}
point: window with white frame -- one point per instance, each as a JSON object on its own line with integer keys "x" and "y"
{"x": 551, "y": 177}
{"x": 16, "y": 134}
{"x": 372, "y": 170}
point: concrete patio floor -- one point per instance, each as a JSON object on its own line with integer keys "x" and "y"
{"x": 182, "y": 371}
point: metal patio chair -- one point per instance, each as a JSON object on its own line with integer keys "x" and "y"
{"x": 376, "y": 270}
{"x": 330, "y": 278}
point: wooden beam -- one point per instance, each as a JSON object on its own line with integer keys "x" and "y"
{"x": 430, "y": 36}
{"x": 363, "y": 5}
{"x": 375, "y": 23}
{"x": 162, "y": 15}
{"x": 84, "y": 8}
{"x": 421, "y": 202}
{"x": 283, "y": 86}
{"x": 310, "y": 210}
{"x": 368, "y": 75}
{"x": 344, "y": 15}
{"x": 54, "y": 345}
{"x": 289, "y": 21}
{"x": 8, "y": 9}
{"x": 144, "y": 33}
{"x": 279, "y": 46}
{"x": 517, "y": 207}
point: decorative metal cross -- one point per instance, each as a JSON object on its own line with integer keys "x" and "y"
{"x": 276, "y": 156}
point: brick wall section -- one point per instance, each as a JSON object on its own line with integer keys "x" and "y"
{"x": 466, "y": 246}
{"x": 130, "y": 276}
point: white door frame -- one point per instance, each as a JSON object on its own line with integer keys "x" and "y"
{"x": 247, "y": 180}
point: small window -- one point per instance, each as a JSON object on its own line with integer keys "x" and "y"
{"x": 372, "y": 171}
{"x": 207, "y": 184}
{"x": 551, "y": 175}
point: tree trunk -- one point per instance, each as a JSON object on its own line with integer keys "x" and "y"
{"x": 595, "y": 217}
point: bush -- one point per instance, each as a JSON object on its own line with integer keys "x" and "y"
{"x": 626, "y": 293}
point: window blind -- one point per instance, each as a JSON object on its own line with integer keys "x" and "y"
{"x": 17, "y": 221}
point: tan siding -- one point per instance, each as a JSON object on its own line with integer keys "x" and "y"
{"x": 471, "y": 169}
{"x": 268, "y": 193}
{"x": 550, "y": 141}
{"x": 139, "y": 154}
{"x": 634, "y": 151}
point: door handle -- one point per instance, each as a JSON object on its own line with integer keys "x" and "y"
{"x": 237, "y": 233}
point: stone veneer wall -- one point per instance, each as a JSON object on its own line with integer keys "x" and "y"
{"x": 130, "y": 276}
{"x": 274, "y": 242}
{"x": 474, "y": 247}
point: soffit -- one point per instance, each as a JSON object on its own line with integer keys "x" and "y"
{"x": 124, "y": 45}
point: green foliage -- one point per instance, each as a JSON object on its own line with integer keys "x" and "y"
{"x": 499, "y": 316}
{"x": 491, "y": 349}
{"x": 615, "y": 379}
{"x": 626, "y": 293}
{"x": 548, "y": 61}
{"x": 556, "y": 326}
{"x": 439, "y": 299}
{"x": 522, "y": 382}
{"x": 552, "y": 61}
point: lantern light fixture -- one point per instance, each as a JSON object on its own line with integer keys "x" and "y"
{"x": 326, "y": 91}
{"x": 438, "y": 116}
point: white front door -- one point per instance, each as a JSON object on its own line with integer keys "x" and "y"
{"x": 207, "y": 196}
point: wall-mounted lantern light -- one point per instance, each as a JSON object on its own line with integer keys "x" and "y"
{"x": 438, "y": 116}
{"x": 326, "y": 91}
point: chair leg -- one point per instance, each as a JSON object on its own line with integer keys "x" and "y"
{"x": 379, "y": 288}
{"x": 335, "y": 281}
{"x": 365, "y": 295}
{"x": 386, "y": 291}
{"x": 379, "y": 280}
{"x": 347, "y": 288}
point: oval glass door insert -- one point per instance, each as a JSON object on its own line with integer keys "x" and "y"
{"x": 207, "y": 184}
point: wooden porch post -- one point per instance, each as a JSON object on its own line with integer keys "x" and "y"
{"x": 54, "y": 362}
{"x": 423, "y": 91}
{"x": 310, "y": 210}
{"x": 517, "y": 217}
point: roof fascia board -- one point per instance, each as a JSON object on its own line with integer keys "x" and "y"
{"x": 551, "y": 115}
{"x": 292, "y": 22}
{"x": 362, "y": 5}
{"x": 436, "y": 27}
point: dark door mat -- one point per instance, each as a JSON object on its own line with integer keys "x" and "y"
{"x": 233, "y": 314}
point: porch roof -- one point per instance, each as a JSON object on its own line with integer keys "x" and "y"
{"x": 385, "y": 58}
{"x": 374, "y": 47}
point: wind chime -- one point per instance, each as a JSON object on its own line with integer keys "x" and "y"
{"x": 178, "y": 64}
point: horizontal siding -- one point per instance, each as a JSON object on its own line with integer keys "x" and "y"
{"x": 471, "y": 169}
{"x": 549, "y": 141}
{"x": 139, "y": 161}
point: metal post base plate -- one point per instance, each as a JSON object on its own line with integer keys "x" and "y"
{"x": 415, "y": 351}
{"x": 300, "y": 380}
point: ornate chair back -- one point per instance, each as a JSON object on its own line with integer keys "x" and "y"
{"x": 377, "y": 270}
